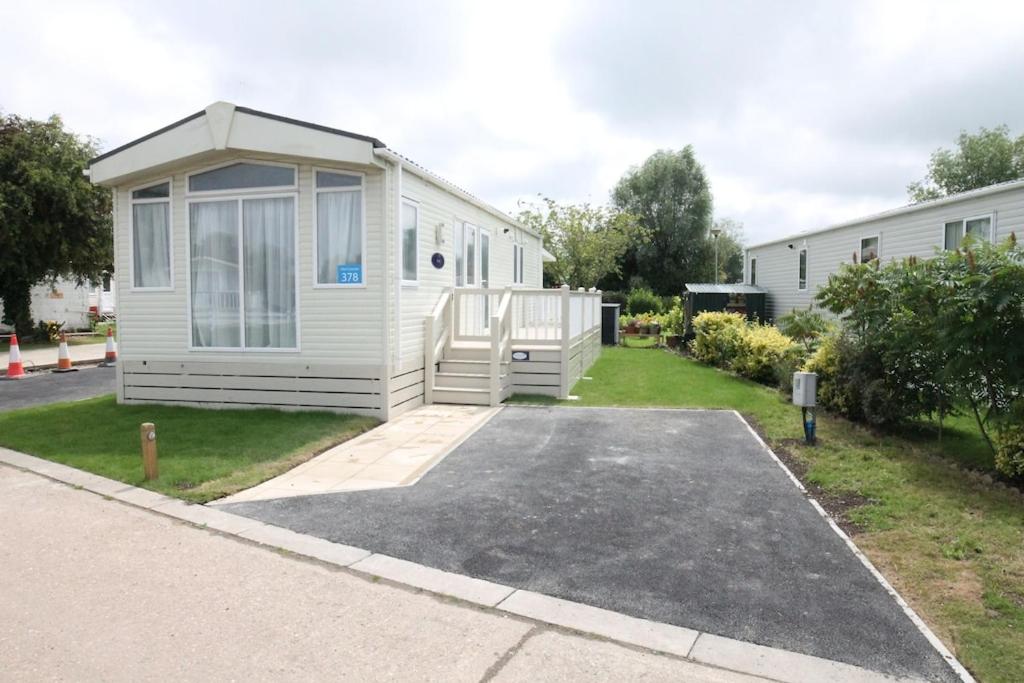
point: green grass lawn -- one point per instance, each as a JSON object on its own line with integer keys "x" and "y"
{"x": 950, "y": 541}
{"x": 72, "y": 341}
{"x": 203, "y": 454}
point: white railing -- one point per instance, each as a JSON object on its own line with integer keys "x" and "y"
{"x": 555, "y": 318}
{"x": 501, "y": 344}
{"x": 436, "y": 336}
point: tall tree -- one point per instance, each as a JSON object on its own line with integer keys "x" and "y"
{"x": 53, "y": 221}
{"x": 671, "y": 197}
{"x": 586, "y": 241}
{"x": 980, "y": 159}
{"x": 730, "y": 250}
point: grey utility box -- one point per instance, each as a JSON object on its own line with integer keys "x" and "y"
{"x": 610, "y": 324}
{"x": 805, "y": 389}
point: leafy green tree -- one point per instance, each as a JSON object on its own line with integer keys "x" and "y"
{"x": 671, "y": 197}
{"x": 980, "y": 159}
{"x": 730, "y": 250}
{"x": 586, "y": 241}
{"x": 53, "y": 221}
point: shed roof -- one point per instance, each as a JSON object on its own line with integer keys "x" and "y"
{"x": 737, "y": 288}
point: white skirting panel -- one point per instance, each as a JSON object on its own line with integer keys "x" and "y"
{"x": 289, "y": 386}
{"x": 541, "y": 374}
{"x": 406, "y": 391}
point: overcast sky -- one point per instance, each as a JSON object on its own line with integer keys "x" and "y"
{"x": 803, "y": 113}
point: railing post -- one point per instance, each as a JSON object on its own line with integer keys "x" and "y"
{"x": 563, "y": 389}
{"x": 450, "y": 314}
{"x": 495, "y": 359}
{"x": 428, "y": 359}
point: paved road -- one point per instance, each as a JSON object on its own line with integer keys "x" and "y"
{"x": 92, "y": 589}
{"x": 48, "y": 387}
{"x": 675, "y": 516}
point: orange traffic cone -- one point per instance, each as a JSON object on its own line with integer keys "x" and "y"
{"x": 14, "y": 367}
{"x": 111, "y": 357}
{"x": 64, "y": 356}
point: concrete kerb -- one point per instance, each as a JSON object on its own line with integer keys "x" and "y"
{"x": 724, "y": 653}
{"x": 929, "y": 635}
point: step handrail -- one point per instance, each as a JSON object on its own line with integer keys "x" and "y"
{"x": 437, "y": 333}
{"x": 501, "y": 343}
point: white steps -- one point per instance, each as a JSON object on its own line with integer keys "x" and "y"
{"x": 464, "y": 375}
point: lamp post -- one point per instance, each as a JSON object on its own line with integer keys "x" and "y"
{"x": 715, "y": 232}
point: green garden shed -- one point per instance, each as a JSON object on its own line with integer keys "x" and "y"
{"x": 749, "y": 300}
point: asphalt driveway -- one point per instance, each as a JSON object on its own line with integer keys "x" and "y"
{"x": 38, "y": 388}
{"x": 670, "y": 515}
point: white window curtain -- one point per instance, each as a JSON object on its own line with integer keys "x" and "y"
{"x": 216, "y": 309}
{"x": 151, "y": 244}
{"x": 410, "y": 225}
{"x": 268, "y": 243}
{"x": 339, "y": 233}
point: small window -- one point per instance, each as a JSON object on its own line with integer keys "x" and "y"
{"x": 955, "y": 231}
{"x": 339, "y": 229}
{"x": 753, "y": 271}
{"x": 868, "y": 249}
{"x": 151, "y": 237}
{"x": 410, "y": 242}
{"x": 802, "y": 275}
{"x": 242, "y": 176}
{"x": 107, "y": 283}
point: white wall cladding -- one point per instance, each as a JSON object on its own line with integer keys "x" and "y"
{"x": 439, "y": 206}
{"x": 915, "y": 233}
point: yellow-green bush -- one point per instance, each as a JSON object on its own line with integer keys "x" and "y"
{"x": 761, "y": 348}
{"x": 718, "y": 335}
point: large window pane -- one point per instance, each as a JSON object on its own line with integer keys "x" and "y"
{"x": 268, "y": 243}
{"x": 485, "y": 259}
{"x": 216, "y": 305}
{"x": 241, "y": 176}
{"x": 339, "y": 233}
{"x": 151, "y": 245}
{"x": 410, "y": 225}
{"x": 470, "y": 255}
{"x": 980, "y": 228}
{"x": 460, "y": 264}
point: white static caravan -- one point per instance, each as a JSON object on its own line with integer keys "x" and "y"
{"x": 793, "y": 268}
{"x": 264, "y": 261}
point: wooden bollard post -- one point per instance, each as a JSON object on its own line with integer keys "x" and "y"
{"x": 150, "y": 468}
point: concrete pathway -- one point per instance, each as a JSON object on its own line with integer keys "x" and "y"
{"x": 397, "y": 453}
{"x": 44, "y": 358}
{"x": 96, "y": 589}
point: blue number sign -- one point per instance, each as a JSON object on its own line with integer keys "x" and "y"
{"x": 350, "y": 274}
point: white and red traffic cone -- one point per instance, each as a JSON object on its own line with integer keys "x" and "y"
{"x": 111, "y": 355}
{"x": 15, "y": 370}
{"x": 64, "y": 356}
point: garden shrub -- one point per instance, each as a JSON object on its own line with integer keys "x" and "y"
{"x": 804, "y": 326}
{"x": 718, "y": 336}
{"x": 1009, "y": 442}
{"x": 761, "y": 348}
{"x": 643, "y": 300}
{"x": 674, "y": 320}
{"x": 614, "y": 297}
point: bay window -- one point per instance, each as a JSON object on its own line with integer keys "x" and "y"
{"x": 242, "y": 260}
{"x": 151, "y": 237}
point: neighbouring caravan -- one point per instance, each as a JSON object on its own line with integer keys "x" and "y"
{"x": 793, "y": 268}
{"x": 265, "y": 261}
{"x": 65, "y": 301}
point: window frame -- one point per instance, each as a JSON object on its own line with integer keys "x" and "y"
{"x": 170, "y": 232}
{"x": 878, "y": 249}
{"x": 752, "y": 271}
{"x": 234, "y": 191}
{"x": 362, "y": 219}
{"x": 401, "y": 261}
{"x": 802, "y": 251}
{"x": 991, "y": 216}
{"x": 239, "y": 198}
